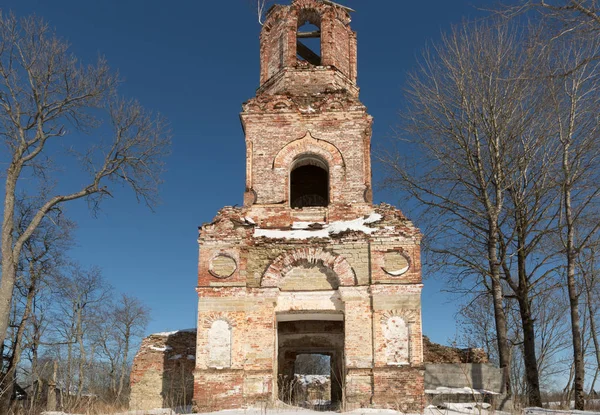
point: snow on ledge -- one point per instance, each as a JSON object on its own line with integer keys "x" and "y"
{"x": 170, "y": 333}
{"x": 161, "y": 349}
{"x": 399, "y": 272}
{"x": 443, "y": 390}
{"x": 301, "y": 230}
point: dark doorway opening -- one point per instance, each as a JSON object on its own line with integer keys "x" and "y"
{"x": 312, "y": 380}
{"x": 309, "y": 184}
{"x": 310, "y": 363}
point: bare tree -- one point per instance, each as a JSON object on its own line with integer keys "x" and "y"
{"x": 131, "y": 318}
{"x": 588, "y": 267}
{"x": 81, "y": 295}
{"x": 575, "y": 102}
{"x": 470, "y": 123}
{"x": 45, "y": 96}
{"x": 110, "y": 348}
{"x": 42, "y": 256}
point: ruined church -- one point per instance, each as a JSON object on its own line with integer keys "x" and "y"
{"x": 308, "y": 265}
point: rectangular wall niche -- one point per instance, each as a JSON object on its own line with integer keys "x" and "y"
{"x": 397, "y": 345}
{"x": 219, "y": 344}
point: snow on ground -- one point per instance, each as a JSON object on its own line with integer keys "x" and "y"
{"x": 148, "y": 412}
{"x": 542, "y": 411}
{"x": 444, "y": 409}
{"x": 457, "y": 409}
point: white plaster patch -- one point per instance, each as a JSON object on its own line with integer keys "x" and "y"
{"x": 291, "y": 301}
{"x": 395, "y": 331}
{"x": 219, "y": 344}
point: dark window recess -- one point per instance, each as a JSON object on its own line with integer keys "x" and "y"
{"x": 309, "y": 48}
{"x": 309, "y": 186}
{"x": 281, "y": 52}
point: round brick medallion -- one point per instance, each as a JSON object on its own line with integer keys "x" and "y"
{"x": 222, "y": 266}
{"x": 395, "y": 264}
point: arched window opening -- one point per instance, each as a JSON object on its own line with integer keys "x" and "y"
{"x": 308, "y": 37}
{"x": 309, "y": 183}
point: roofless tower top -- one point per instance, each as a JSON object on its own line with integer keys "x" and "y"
{"x": 327, "y": 48}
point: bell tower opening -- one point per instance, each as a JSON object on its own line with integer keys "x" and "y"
{"x": 308, "y": 37}
{"x": 309, "y": 182}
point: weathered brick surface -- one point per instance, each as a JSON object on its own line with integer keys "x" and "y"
{"x": 437, "y": 353}
{"x": 276, "y": 281}
{"x": 162, "y": 372}
{"x": 399, "y": 388}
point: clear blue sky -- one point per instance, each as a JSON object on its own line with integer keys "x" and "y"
{"x": 196, "y": 62}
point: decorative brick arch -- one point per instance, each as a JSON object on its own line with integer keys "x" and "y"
{"x": 312, "y": 255}
{"x": 308, "y": 145}
{"x": 209, "y": 319}
{"x": 408, "y": 315}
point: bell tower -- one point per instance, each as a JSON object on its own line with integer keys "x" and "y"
{"x": 308, "y": 265}
{"x": 308, "y": 136}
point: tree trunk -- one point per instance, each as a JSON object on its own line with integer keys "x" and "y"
{"x": 529, "y": 355}
{"x": 522, "y": 291}
{"x": 593, "y": 332}
{"x": 124, "y": 363}
{"x": 578, "y": 381}
{"x": 82, "y": 356}
{"x": 9, "y": 258}
{"x": 15, "y": 357}
{"x": 499, "y": 315}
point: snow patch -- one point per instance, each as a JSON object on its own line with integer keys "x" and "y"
{"x": 399, "y": 272}
{"x": 311, "y": 379}
{"x": 170, "y": 333}
{"x": 164, "y": 411}
{"x": 443, "y": 390}
{"x": 543, "y": 411}
{"x": 161, "y": 349}
{"x": 301, "y": 230}
{"x": 447, "y": 409}
{"x": 177, "y": 356}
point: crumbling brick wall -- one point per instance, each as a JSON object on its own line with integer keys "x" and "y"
{"x": 162, "y": 372}
{"x": 437, "y": 353}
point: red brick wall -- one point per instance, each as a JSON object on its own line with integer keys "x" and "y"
{"x": 399, "y": 388}
{"x": 338, "y": 41}
{"x": 218, "y": 389}
{"x": 302, "y": 110}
